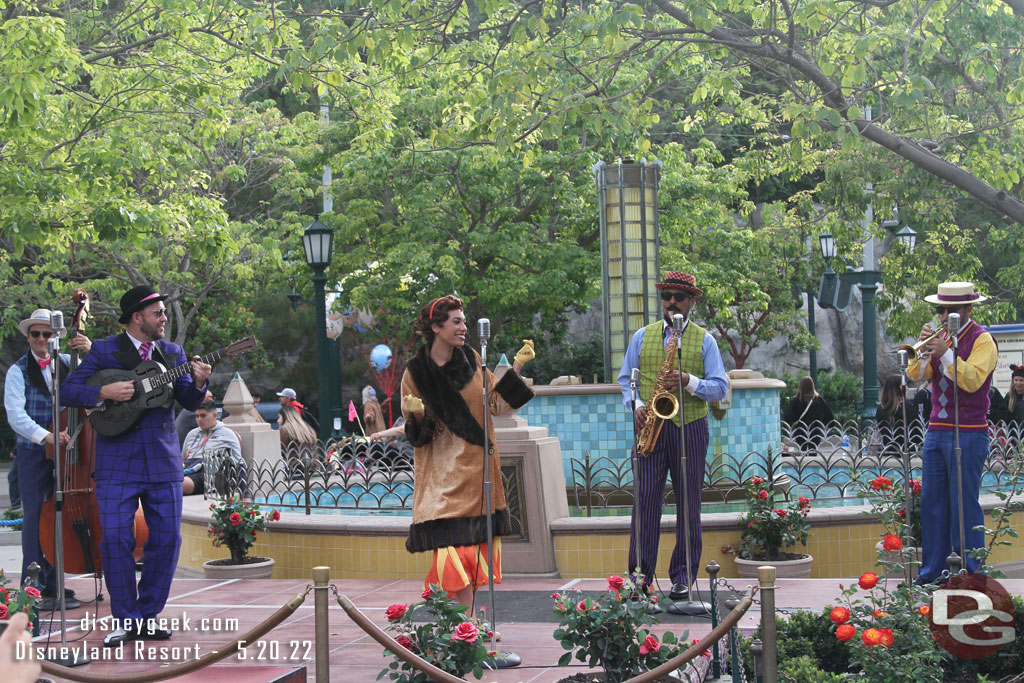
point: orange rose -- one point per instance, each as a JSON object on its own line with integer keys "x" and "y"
{"x": 839, "y": 615}
{"x": 846, "y": 632}
{"x": 868, "y": 580}
{"x": 872, "y": 637}
{"x": 891, "y": 542}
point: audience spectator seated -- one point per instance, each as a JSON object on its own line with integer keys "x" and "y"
{"x": 211, "y": 440}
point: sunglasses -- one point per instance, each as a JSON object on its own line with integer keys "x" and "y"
{"x": 939, "y": 310}
{"x": 678, "y": 296}
{"x": 36, "y": 334}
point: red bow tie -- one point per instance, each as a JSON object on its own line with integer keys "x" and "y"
{"x": 43, "y": 363}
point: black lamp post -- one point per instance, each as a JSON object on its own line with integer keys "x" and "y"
{"x": 835, "y": 292}
{"x": 317, "y": 241}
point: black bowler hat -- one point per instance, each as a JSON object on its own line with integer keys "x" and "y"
{"x": 135, "y": 299}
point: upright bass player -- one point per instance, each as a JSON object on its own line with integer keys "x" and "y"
{"x": 28, "y": 400}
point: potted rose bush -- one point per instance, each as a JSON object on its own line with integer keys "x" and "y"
{"x": 771, "y": 525}
{"x": 888, "y": 504}
{"x": 451, "y": 640}
{"x": 611, "y": 631}
{"x": 235, "y": 525}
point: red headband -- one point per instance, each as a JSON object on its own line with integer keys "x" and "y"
{"x": 434, "y": 303}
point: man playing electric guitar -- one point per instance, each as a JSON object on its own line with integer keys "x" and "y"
{"x": 142, "y": 464}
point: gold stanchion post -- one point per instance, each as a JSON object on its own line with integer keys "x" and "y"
{"x": 769, "y": 653}
{"x": 321, "y": 577}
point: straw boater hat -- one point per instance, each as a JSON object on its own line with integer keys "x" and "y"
{"x": 677, "y": 280}
{"x": 40, "y": 316}
{"x": 956, "y": 294}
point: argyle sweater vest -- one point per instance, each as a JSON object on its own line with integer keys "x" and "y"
{"x": 652, "y": 353}
{"x": 38, "y": 405}
{"x": 973, "y": 405}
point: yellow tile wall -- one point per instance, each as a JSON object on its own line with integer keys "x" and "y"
{"x": 840, "y": 551}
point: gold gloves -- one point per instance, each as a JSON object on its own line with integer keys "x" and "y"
{"x": 525, "y": 354}
{"x": 412, "y": 404}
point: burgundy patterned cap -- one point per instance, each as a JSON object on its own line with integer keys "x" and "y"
{"x": 676, "y": 280}
{"x": 956, "y": 294}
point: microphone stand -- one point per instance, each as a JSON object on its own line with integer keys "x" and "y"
{"x": 688, "y": 606}
{"x": 501, "y": 660}
{"x": 634, "y": 379}
{"x": 63, "y": 657}
{"x": 957, "y": 559}
{"x": 905, "y": 456}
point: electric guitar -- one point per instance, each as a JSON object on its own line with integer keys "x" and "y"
{"x": 152, "y": 389}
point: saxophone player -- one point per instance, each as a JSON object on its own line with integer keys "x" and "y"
{"x": 702, "y": 375}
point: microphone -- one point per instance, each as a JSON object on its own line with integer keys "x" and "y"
{"x": 634, "y": 377}
{"x": 484, "y": 329}
{"x": 902, "y": 357}
{"x": 56, "y": 322}
{"x": 679, "y": 322}
{"x": 953, "y": 320}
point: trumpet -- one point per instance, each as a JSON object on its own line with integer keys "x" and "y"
{"x": 914, "y": 350}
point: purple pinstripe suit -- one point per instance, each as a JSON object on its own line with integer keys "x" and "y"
{"x": 141, "y": 465}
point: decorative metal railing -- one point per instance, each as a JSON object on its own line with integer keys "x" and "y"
{"x": 827, "y": 463}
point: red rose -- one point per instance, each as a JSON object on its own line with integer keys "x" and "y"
{"x": 555, "y": 596}
{"x": 886, "y": 637}
{"x": 235, "y": 518}
{"x": 924, "y": 610}
{"x": 615, "y": 583}
{"x": 804, "y": 502}
{"x": 3, "y": 611}
{"x": 467, "y": 632}
{"x": 395, "y": 612}
{"x": 404, "y": 641}
{"x": 763, "y": 495}
{"x": 757, "y": 481}
{"x": 881, "y": 484}
{"x": 839, "y": 615}
{"x": 846, "y": 632}
{"x": 275, "y": 515}
{"x": 891, "y": 542}
{"x": 650, "y": 644}
{"x": 426, "y": 594}
{"x": 582, "y": 606}
{"x": 872, "y": 637}
{"x": 751, "y": 525}
{"x": 781, "y": 513}
{"x": 32, "y": 592}
{"x": 915, "y": 486}
{"x": 706, "y": 653}
{"x": 868, "y": 580}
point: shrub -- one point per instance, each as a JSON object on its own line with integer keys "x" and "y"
{"x": 608, "y": 631}
{"x": 452, "y": 641}
{"x": 768, "y": 529}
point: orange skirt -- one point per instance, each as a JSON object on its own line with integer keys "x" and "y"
{"x": 456, "y": 567}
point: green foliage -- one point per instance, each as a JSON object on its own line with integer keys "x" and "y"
{"x": 804, "y": 634}
{"x": 769, "y": 525}
{"x": 582, "y": 358}
{"x": 888, "y": 504}
{"x": 451, "y": 640}
{"x": 843, "y": 391}
{"x": 608, "y": 631}
{"x": 804, "y": 669}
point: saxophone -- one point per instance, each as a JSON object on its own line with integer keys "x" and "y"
{"x": 664, "y": 405}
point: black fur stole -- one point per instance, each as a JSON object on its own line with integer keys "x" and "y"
{"x": 440, "y": 386}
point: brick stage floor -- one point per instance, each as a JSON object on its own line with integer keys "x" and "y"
{"x": 354, "y": 656}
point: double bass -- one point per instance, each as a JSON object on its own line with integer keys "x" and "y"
{"x": 82, "y": 532}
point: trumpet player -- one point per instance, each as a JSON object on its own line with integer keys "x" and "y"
{"x": 975, "y": 360}
{"x": 702, "y": 375}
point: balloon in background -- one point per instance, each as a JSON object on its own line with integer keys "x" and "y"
{"x": 380, "y": 357}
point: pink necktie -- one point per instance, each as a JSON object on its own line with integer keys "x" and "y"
{"x": 144, "y": 348}
{"x": 43, "y": 362}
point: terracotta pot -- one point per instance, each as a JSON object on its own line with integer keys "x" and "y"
{"x": 259, "y": 568}
{"x": 900, "y": 556}
{"x": 784, "y": 569}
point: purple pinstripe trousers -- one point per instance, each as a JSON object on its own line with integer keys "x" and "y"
{"x": 649, "y": 482}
